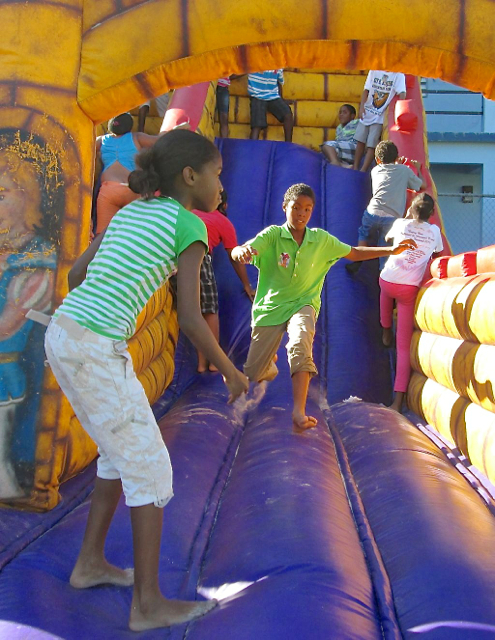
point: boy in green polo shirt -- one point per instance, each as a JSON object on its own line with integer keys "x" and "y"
{"x": 293, "y": 261}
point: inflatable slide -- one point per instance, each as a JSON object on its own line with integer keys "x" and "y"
{"x": 358, "y": 529}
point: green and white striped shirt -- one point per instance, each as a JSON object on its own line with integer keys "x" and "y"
{"x": 138, "y": 254}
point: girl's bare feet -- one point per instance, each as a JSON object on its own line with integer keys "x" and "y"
{"x": 165, "y": 613}
{"x": 387, "y": 336}
{"x": 302, "y": 422}
{"x": 83, "y": 577}
{"x": 398, "y": 401}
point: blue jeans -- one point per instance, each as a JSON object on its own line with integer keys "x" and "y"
{"x": 373, "y": 230}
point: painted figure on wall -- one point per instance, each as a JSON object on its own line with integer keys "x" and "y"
{"x": 31, "y": 199}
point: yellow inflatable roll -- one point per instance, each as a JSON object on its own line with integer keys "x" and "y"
{"x": 465, "y": 424}
{"x": 467, "y": 368}
{"x": 453, "y": 358}
{"x": 461, "y": 308}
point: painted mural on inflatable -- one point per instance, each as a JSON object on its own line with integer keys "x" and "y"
{"x": 31, "y": 201}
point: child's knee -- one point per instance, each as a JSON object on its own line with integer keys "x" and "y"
{"x": 256, "y": 374}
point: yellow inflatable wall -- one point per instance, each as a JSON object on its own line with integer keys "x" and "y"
{"x": 315, "y": 97}
{"x": 453, "y": 358}
{"x": 68, "y": 65}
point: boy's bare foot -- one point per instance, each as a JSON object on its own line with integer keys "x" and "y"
{"x": 387, "y": 336}
{"x": 165, "y": 613}
{"x": 302, "y": 422}
{"x": 105, "y": 573}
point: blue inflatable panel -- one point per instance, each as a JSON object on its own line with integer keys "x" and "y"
{"x": 284, "y": 555}
{"x": 357, "y": 530}
{"x": 433, "y": 532}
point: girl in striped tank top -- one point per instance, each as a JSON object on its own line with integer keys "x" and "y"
{"x": 144, "y": 244}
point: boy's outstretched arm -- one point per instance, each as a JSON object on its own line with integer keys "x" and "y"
{"x": 243, "y": 253}
{"x": 240, "y": 269}
{"x": 358, "y": 254}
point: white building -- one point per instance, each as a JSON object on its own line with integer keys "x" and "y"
{"x": 461, "y": 136}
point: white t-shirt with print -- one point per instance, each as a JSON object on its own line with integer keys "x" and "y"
{"x": 382, "y": 87}
{"x": 409, "y": 267}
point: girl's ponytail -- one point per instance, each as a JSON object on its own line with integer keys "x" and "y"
{"x": 145, "y": 180}
{"x": 422, "y": 207}
{"x": 160, "y": 165}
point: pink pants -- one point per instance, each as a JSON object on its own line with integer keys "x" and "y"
{"x": 405, "y": 295}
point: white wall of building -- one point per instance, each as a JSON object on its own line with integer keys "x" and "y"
{"x": 468, "y": 226}
{"x": 467, "y": 153}
{"x": 488, "y": 116}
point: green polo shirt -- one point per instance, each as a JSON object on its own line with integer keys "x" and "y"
{"x": 291, "y": 276}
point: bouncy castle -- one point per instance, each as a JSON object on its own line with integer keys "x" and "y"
{"x": 373, "y": 524}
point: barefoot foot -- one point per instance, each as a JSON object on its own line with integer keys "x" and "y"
{"x": 212, "y": 368}
{"x": 398, "y": 401}
{"x": 302, "y": 423}
{"x": 165, "y": 613}
{"x": 387, "y": 337}
{"x": 106, "y": 573}
{"x": 396, "y": 407}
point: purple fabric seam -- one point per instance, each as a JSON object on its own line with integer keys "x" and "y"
{"x": 211, "y": 514}
{"x": 378, "y": 574}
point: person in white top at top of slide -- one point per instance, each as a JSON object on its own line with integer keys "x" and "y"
{"x": 379, "y": 89}
{"x": 400, "y": 280}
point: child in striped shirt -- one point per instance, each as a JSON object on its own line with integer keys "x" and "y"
{"x": 265, "y": 92}
{"x": 86, "y": 347}
{"x": 340, "y": 152}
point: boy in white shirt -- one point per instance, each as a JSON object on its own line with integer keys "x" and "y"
{"x": 379, "y": 89}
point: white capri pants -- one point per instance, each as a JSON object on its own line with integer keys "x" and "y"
{"x": 97, "y": 377}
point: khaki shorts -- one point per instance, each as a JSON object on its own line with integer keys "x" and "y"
{"x": 265, "y": 342}
{"x": 368, "y": 134}
{"x": 98, "y": 379}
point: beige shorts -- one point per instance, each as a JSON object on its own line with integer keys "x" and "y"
{"x": 368, "y": 134}
{"x": 265, "y": 342}
{"x": 98, "y": 379}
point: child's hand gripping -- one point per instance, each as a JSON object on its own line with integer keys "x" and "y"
{"x": 237, "y": 384}
{"x": 243, "y": 253}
